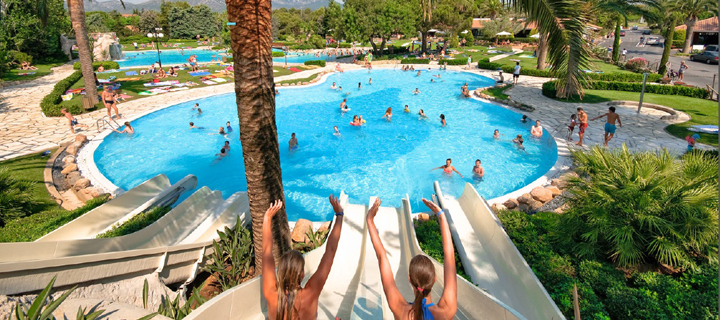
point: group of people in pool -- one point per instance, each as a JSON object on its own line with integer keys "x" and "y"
{"x": 288, "y": 299}
{"x": 223, "y": 131}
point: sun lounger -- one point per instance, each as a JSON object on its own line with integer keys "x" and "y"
{"x": 162, "y": 83}
{"x": 128, "y": 79}
{"x": 131, "y": 73}
{"x": 712, "y": 129}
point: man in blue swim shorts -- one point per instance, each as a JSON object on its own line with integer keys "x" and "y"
{"x": 610, "y": 124}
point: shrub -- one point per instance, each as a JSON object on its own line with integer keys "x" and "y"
{"x": 304, "y": 46}
{"x": 42, "y": 306}
{"x": 548, "y": 88}
{"x": 18, "y": 57}
{"x": 317, "y": 41}
{"x": 526, "y": 40}
{"x": 278, "y": 54}
{"x": 454, "y": 42}
{"x": 636, "y": 64}
{"x": 645, "y": 206}
{"x": 430, "y": 240}
{"x": 107, "y": 65}
{"x": 454, "y": 62}
{"x": 16, "y": 200}
{"x": 345, "y": 45}
{"x": 232, "y": 256}
{"x": 415, "y": 61}
{"x": 469, "y": 38}
{"x": 315, "y": 63}
{"x": 135, "y": 223}
{"x": 49, "y": 103}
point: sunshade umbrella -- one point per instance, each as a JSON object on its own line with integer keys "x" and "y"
{"x": 536, "y": 36}
{"x": 503, "y": 33}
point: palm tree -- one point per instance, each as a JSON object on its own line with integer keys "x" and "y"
{"x": 255, "y": 96}
{"x": 77, "y": 18}
{"x": 691, "y": 9}
{"x": 619, "y": 9}
{"x": 665, "y": 16}
{"x": 491, "y": 8}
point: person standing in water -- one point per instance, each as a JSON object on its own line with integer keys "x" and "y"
{"x": 448, "y": 168}
{"x": 128, "y": 128}
{"x": 478, "y": 170}
{"x": 388, "y": 114}
{"x": 286, "y": 298}
{"x": 442, "y": 120}
{"x": 421, "y": 274}
{"x": 293, "y": 143}
{"x": 610, "y": 124}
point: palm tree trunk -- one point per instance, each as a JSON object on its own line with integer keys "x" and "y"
{"x": 255, "y": 97}
{"x": 77, "y": 17}
{"x": 690, "y": 24}
{"x": 424, "y": 41}
{"x": 616, "y": 44}
{"x": 542, "y": 51}
{"x": 666, "y": 48}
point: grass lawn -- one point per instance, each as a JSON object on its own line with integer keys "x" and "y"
{"x": 701, "y": 111}
{"x": 43, "y": 70}
{"x": 133, "y": 88}
{"x": 497, "y": 92}
{"x": 531, "y": 63}
{"x": 46, "y": 215}
{"x": 476, "y": 56}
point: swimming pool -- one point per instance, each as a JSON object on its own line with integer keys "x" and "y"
{"x": 388, "y": 159}
{"x": 178, "y": 57}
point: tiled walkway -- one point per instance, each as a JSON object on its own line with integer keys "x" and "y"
{"x": 25, "y": 130}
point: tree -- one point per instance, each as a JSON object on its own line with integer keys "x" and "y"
{"x": 149, "y": 20}
{"x": 500, "y": 24}
{"x": 190, "y": 22}
{"x": 255, "y": 97}
{"x": 77, "y": 17}
{"x": 665, "y": 16}
{"x": 491, "y": 8}
{"x": 380, "y": 19}
{"x": 27, "y": 28}
{"x": 619, "y": 10}
{"x": 692, "y": 9}
{"x": 96, "y": 22}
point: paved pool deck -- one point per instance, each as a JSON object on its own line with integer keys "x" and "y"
{"x": 26, "y": 130}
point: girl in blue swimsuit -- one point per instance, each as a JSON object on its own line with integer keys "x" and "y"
{"x": 422, "y": 275}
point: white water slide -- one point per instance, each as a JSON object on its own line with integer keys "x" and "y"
{"x": 491, "y": 259}
{"x": 353, "y": 289}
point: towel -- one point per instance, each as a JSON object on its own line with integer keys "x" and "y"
{"x": 146, "y": 93}
{"x": 128, "y": 79}
{"x": 161, "y": 83}
{"x": 131, "y": 73}
{"x": 26, "y": 73}
{"x": 208, "y": 82}
{"x": 293, "y": 69}
{"x": 199, "y": 73}
{"x": 219, "y": 80}
{"x": 712, "y": 129}
{"x": 67, "y": 97}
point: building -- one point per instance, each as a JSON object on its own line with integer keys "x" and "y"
{"x": 705, "y": 32}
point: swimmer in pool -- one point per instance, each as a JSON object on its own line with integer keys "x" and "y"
{"x": 478, "y": 170}
{"x": 536, "y": 130}
{"x": 337, "y": 132}
{"x": 196, "y": 106}
{"x": 226, "y": 147}
{"x": 438, "y": 75}
{"x": 359, "y": 86}
{"x": 407, "y": 109}
{"x": 293, "y": 143}
{"x": 448, "y": 168}
{"x": 432, "y": 80}
{"x": 222, "y": 132}
{"x": 192, "y": 126}
{"x": 221, "y": 155}
{"x": 524, "y": 119}
{"x": 519, "y": 142}
{"x": 418, "y": 74}
{"x": 422, "y": 115}
{"x": 496, "y": 134}
{"x": 416, "y": 91}
{"x": 355, "y": 121}
{"x": 340, "y": 88}
{"x": 333, "y": 86}
{"x": 229, "y": 128}
{"x": 370, "y": 81}
{"x": 442, "y": 120}
{"x": 361, "y": 120}
{"x": 199, "y": 111}
{"x": 128, "y": 129}
{"x": 343, "y": 106}
{"x": 388, "y": 114}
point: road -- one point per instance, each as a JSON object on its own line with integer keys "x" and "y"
{"x": 699, "y": 74}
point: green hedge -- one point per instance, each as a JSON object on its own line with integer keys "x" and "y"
{"x": 416, "y": 61}
{"x": 276, "y": 54}
{"x": 108, "y": 65}
{"x": 345, "y": 46}
{"x": 430, "y": 241}
{"x": 49, "y": 103}
{"x": 614, "y": 76}
{"x": 549, "y": 90}
{"x": 315, "y": 63}
{"x": 454, "y": 62}
{"x": 303, "y": 46}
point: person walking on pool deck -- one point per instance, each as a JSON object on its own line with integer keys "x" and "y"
{"x": 516, "y": 73}
{"x": 286, "y": 299}
{"x": 421, "y": 275}
{"x": 583, "y": 120}
{"x": 610, "y": 124}
{"x": 109, "y": 102}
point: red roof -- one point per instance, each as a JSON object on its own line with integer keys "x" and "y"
{"x": 478, "y": 24}
{"x": 707, "y": 25}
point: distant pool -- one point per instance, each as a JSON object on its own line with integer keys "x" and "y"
{"x": 178, "y": 57}
{"x": 388, "y": 159}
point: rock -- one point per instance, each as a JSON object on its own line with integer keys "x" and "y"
{"x": 511, "y": 203}
{"x": 81, "y": 138}
{"x": 523, "y": 208}
{"x": 561, "y": 209}
{"x": 71, "y": 149}
{"x": 284, "y": 84}
{"x": 525, "y": 198}
{"x": 560, "y": 184}
{"x": 423, "y": 217}
{"x": 73, "y": 177}
{"x": 292, "y": 84}
{"x": 541, "y": 194}
{"x": 299, "y": 233}
{"x": 325, "y": 226}
{"x": 534, "y": 206}
{"x": 554, "y": 190}
{"x": 69, "y": 168}
{"x": 568, "y": 175}
{"x": 68, "y": 159}
{"x": 306, "y": 83}
{"x": 497, "y": 207}
{"x": 81, "y": 184}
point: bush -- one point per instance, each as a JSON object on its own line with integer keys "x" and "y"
{"x": 430, "y": 240}
{"x": 345, "y": 45}
{"x": 415, "y": 61}
{"x": 642, "y": 207}
{"x": 232, "y": 256}
{"x": 278, "y": 54}
{"x": 107, "y": 65}
{"x": 18, "y": 57}
{"x": 454, "y": 62}
{"x": 135, "y": 223}
{"x": 49, "y": 103}
{"x": 454, "y": 42}
{"x": 317, "y": 41}
{"x": 526, "y": 40}
{"x": 16, "y": 201}
{"x": 636, "y": 64}
{"x": 315, "y": 63}
{"x": 548, "y": 88}
{"x": 469, "y": 38}
{"x": 614, "y": 76}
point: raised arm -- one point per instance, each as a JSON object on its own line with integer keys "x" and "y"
{"x": 394, "y": 298}
{"x": 598, "y": 117}
{"x": 269, "y": 278}
{"x": 448, "y": 300}
{"x": 317, "y": 281}
{"x": 458, "y": 172}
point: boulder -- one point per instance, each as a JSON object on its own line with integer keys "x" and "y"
{"x": 511, "y": 203}
{"x": 568, "y": 175}
{"x": 534, "y": 205}
{"x": 69, "y": 168}
{"x": 541, "y": 194}
{"x": 561, "y": 209}
{"x": 554, "y": 190}
{"x": 71, "y": 150}
{"x": 423, "y": 217}
{"x": 525, "y": 198}
{"x": 81, "y": 138}
{"x": 81, "y": 184}
{"x": 299, "y": 233}
{"x": 68, "y": 159}
{"x": 73, "y": 177}
{"x": 523, "y": 208}
{"x": 306, "y": 83}
{"x": 497, "y": 207}
{"x": 325, "y": 226}
{"x": 94, "y": 192}
{"x": 560, "y": 184}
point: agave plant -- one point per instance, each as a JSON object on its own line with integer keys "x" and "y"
{"x": 38, "y": 310}
{"x": 232, "y": 256}
{"x": 643, "y": 207}
{"x": 81, "y": 315}
{"x": 175, "y": 309}
{"x": 316, "y": 239}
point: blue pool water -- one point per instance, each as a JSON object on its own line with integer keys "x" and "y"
{"x": 388, "y": 159}
{"x": 178, "y": 57}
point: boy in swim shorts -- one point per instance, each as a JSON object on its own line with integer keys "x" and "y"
{"x": 582, "y": 118}
{"x": 610, "y": 124}
{"x": 72, "y": 120}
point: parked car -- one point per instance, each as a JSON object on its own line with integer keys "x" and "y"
{"x": 635, "y": 27}
{"x": 711, "y": 47}
{"x": 652, "y": 41}
{"x": 706, "y": 56}
{"x": 646, "y": 32}
{"x": 622, "y": 33}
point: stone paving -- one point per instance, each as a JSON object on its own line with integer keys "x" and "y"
{"x": 25, "y": 129}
